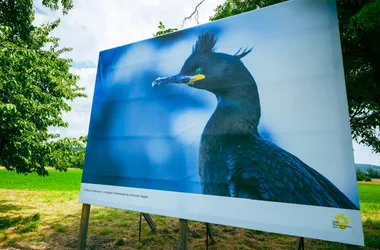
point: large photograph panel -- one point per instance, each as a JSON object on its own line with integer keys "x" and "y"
{"x": 250, "y": 108}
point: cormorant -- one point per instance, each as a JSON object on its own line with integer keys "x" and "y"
{"x": 234, "y": 160}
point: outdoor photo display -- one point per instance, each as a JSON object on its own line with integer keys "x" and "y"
{"x": 241, "y": 122}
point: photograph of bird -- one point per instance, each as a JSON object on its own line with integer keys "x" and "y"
{"x": 234, "y": 159}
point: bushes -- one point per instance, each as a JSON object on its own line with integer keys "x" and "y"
{"x": 69, "y": 153}
{"x": 362, "y": 175}
{"x": 373, "y": 173}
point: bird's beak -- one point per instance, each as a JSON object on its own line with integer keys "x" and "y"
{"x": 177, "y": 79}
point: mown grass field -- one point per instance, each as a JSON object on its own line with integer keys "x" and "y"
{"x": 44, "y": 213}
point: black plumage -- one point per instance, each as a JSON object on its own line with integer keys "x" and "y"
{"x": 234, "y": 160}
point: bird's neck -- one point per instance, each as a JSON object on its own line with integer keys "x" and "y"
{"x": 237, "y": 112}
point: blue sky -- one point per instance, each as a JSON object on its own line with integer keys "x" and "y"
{"x": 93, "y": 26}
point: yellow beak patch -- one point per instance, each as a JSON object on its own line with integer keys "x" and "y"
{"x": 196, "y": 78}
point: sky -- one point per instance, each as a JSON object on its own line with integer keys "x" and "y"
{"x": 93, "y": 26}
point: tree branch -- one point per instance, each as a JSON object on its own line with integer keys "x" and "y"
{"x": 357, "y": 111}
{"x": 195, "y": 14}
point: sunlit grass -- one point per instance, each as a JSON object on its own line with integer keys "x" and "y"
{"x": 31, "y": 217}
{"x": 56, "y": 181}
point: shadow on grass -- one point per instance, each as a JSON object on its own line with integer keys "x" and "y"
{"x": 20, "y": 247}
{"x": 112, "y": 229}
{"x": 374, "y": 224}
{"x": 372, "y": 233}
{"x": 23, "y": 224}
{"x": 119, "y": 229}
{"x": 7, "y": 206}
{"x": 4, "y": 207}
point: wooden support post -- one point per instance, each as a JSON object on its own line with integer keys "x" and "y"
{"x": 209, "y": 234}
{"x": 183, "y": 234}
{"x": 300, "y": 244}
{"x": 84, "y": 226}
{"x": 150, "y": 222}
{"x": 209, "y": 231}
{"x": 140, "y": 228}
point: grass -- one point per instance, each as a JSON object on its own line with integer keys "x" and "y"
{"x": 44, "y": 213}
{"x": 56, "y": 181}
{"x": 369, "y": 195}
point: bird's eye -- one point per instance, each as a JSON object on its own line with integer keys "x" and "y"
{"x": 198, "y": 70}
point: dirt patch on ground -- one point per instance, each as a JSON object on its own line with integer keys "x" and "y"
{"x": 373, "y": 181}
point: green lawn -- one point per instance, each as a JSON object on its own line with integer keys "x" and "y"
{"x": 43, "y": 212}
{"x": 56, "y": 181}
{"x": 369, "y": 197}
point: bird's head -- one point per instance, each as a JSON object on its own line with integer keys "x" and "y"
{"x": 209, "y": 70}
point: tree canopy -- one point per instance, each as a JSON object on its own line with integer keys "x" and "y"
{"x": 359, "y": 24}
{"x": 35, "y": 85}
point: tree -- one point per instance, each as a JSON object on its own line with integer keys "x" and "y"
{"x": 361, "y": 175}
{"x": 35, "y": 84}
{"x": 359, "y": 23}
{"x": 69, "y": 153}
{"x": 360, "y": 36}
{"x": 373, "y": 173}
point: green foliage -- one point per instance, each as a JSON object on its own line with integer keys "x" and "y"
{"x": 373, "y": 173}
{"x": 359, "y": 23}
{"x": 163, "y": 30}
{"x": 366, "y": 19}
{"x": 69, "y": 153}
{"x": 35, "y": 85}
{"x": 361, "y": 175}
{"x": 234, "y": 7}
{"x": 54, "y": 5}
{"x": 360, "y": 36}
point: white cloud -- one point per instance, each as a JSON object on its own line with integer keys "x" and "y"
{"x": 79, "y": 117}
{"x": 365, "y": 155}
{"x": 92, "y": 26}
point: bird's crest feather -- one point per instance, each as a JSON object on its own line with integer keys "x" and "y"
{"x": 205, "y": 44}
{"x": 243, "y": 53}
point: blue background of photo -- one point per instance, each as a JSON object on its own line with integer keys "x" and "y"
{"x": 147, "y": 137}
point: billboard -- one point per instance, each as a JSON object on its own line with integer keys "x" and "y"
{"x": 241, "y": 122}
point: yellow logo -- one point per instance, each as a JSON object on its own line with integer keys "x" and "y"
{"x": 340, "y": 221}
